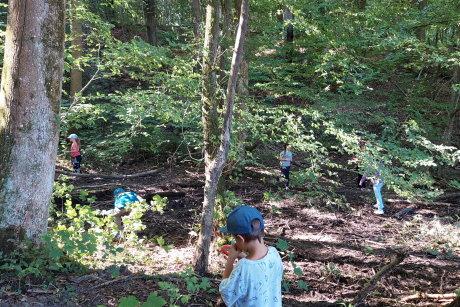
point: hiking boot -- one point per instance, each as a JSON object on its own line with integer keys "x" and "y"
{"x": 379, "y": 212}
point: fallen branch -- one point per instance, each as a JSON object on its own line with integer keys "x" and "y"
{"x": 143, "y": 174}
{"x": 170, "y": 194}
{"x": 371, "y": 284}
{"x": 417, "y": 202}
{"x": 419, "y": 295}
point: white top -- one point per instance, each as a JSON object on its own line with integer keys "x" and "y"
{"x": 286, "y": 158}
{"x": 254, "y": 283}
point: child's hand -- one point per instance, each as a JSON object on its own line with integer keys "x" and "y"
{"x": 234, "y": 254}
{"x": 225, "y": 249}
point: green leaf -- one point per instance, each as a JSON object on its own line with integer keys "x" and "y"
{"x": 282, "y": 245}
{"x": 130, "y": 301}
{"x": 302, "y": 285}
{"x": 298, "y": 271}
{"x": 154, "y": 301}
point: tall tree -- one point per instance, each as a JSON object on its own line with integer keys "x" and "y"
{"x": 29, "y": 116}
{"x": 196, "y": 10}
{"x": 151, "y": 21}
{"x": 215, "y": 162}
{"x": 287, "y": 18}
{"x": 420, "y": 31}
{"x": 77, "y": 46}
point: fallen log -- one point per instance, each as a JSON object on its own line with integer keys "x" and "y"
{"x": 104, "y": 176}
{"x": 419, "y": 295}
{"x": 371, "y": 284}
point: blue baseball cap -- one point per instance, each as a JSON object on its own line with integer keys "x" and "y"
{"x": 240, "y": 219}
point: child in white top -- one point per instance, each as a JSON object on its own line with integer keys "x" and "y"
{"x": 255, "y": 280}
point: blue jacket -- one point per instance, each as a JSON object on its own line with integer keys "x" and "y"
{"x": 126, "y": 198}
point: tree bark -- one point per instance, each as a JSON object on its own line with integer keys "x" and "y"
{"x": 76, "y": 74}
{"x": 151, "y": 21}
{"x": 209, "y": 82}
{"x": 361, "y": 5}
{"x": 287, "y": 18}
{"x": 196, "y": 10}
{"x": 452, "y": 134}
{"x": 214, "y": 165}
{"x": 29, "y": 113}
{"x": 420, "y": 31}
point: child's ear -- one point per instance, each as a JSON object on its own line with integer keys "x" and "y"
{"x": 239, "y": 238}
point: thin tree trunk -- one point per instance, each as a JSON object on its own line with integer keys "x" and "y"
{"x": 209, "y": 82}
{"x": 287, "y": 18}
{"x": 29, "y": 113}
{"x": 452, "y": 134}
{"x": 214, "y": 166}
{"x": 196, "y": 10}
{"x": 151, "y": 21}
{"x": 77, "y": 46}
{"x": 361, "y": 5}
{"x": 420, "y": 31}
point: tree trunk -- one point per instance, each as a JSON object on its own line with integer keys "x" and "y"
{"x": 209, "y": 82}
{"x": 361, "y": 5}
{"x": 420, "y": 31}
{"x": 151, "y": 21}
{"x": 196, "y": 10}
{"x": 77, "y": 47}
{"x": 214, "y": 166}
{"x": 452, "y": 133}
{"x": 287, "y": 18}
{"x": 29, "y": 114}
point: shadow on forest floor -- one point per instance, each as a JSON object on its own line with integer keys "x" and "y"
{"x": 337, "y": 250}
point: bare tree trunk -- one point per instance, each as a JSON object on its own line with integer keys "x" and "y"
{"x": 287, "y": 18}
{"x": 77, "y": 46}
{"x": 196, "y": 9}
{"x": 361, "y": 4}
{"x": 214, "y": 166}
{"x": 29, "y": 113}
{"x": 420, "y": 31}
{"x": 452, "y": 134}
{"x": 151, "y": 21}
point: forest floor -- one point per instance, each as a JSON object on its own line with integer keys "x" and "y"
{"x": 338, "y": 248}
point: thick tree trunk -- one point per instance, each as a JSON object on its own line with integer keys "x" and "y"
{"x": 214, "y": 166}
{"x": 196, "y": 10}
{"x": 29, "y": 114}
{"x": 77, "y": 46}
{"x": 151, "y": 21}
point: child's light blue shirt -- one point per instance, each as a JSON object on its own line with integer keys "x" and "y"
{"x": 254, "y": 283}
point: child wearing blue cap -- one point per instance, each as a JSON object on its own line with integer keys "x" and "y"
{"x": 255, "y": 280}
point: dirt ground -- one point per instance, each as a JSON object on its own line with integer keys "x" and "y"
{"x": 338, "y": 248}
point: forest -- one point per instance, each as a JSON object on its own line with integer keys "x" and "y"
{"x": 160, "y": 152}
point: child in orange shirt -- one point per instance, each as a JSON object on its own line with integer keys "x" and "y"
{"x": 75, "y": 154}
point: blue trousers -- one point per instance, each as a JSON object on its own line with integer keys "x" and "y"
{"x": 378, "y": 194}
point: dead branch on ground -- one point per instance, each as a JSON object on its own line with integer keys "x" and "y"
{"x": 371, "y": 284}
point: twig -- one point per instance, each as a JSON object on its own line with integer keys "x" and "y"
{"x": 122, "y": 278}
{"x": 371, "y": 284}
